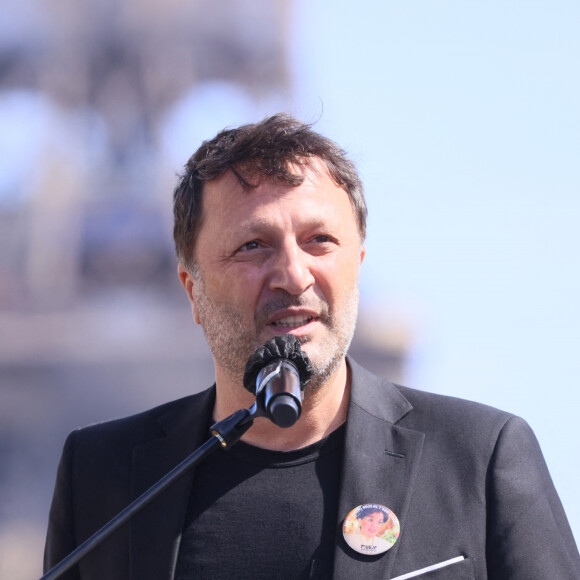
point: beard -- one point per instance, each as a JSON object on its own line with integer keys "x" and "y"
{"x": 233, "y": 340}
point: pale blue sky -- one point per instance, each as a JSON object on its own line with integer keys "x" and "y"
{"x": 464, "y": 120}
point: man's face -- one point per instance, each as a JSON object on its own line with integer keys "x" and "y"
{"x": 275, "y": 260}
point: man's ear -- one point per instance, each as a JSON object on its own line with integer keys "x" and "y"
{"x": 188, "y": 284}
{"x": 363, "y": 251}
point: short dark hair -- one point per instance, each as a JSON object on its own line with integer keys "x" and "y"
{"x": 264, "y": 149}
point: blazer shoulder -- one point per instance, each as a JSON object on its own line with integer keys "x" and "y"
{"x": 463, "y": 420}
{"x": 154, "y": 422}
{"x": 442, "y": 406}
{"x": 418, "y": 409}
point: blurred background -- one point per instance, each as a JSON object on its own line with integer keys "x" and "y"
{"x": 463, "y": 118}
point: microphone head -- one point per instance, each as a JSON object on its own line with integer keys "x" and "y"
{"x": 284, "y": 411}
{"x": 284, "y": 346}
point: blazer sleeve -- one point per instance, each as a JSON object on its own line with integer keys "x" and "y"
{"x": 60, "y": 538}
{"x": 528, "y": 535}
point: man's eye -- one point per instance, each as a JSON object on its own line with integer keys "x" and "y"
{"x": 253, "y": 245}
{"x": 321, "y": 239}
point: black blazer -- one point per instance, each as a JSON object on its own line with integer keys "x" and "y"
{"x": 464, "y": 480}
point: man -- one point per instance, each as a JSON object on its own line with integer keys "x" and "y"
{"x": 269, "y": 230}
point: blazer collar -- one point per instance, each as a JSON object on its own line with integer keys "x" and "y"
{"x": 156, "y": 531}
{"x": 375, "y": 395}
{"x": 379, "y": 466}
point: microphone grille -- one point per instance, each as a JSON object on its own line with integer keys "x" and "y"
{"x": 284, "y": 346}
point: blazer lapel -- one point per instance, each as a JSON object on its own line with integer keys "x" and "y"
{"x": 156, "y": 530}
{"x": 380, "y": 464}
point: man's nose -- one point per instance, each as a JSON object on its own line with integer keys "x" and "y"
{"x": 291, "y": 270}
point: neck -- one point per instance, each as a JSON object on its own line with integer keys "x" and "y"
{"x": 323, "y": 411}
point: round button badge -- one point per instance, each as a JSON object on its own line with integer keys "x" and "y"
{"x": 371, "y": 529}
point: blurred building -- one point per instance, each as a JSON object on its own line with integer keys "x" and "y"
{"x": 100, "y": 104}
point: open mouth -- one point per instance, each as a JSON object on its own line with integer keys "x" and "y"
{"x": 292, "y": 321}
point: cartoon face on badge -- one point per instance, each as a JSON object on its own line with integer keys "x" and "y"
{"x": 371, "y": 529}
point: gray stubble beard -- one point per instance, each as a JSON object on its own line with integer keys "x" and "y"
{"x": 232, "y": 342}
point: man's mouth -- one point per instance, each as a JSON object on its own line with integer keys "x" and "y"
{"x": 292, "y": 321}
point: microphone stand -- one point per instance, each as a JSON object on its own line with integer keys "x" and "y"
{"x": 224, "y": 433}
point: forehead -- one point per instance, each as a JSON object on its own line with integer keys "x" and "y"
{"x": 226, "y": 200}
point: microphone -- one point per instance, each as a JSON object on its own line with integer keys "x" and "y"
{"x": 276, "y": 374}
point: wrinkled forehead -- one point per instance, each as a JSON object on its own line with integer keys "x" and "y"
{"x": 243, "y": 186}
{"x": 229, "y": 200}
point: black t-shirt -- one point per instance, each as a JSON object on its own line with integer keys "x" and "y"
{"x": 260, "y": 514}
